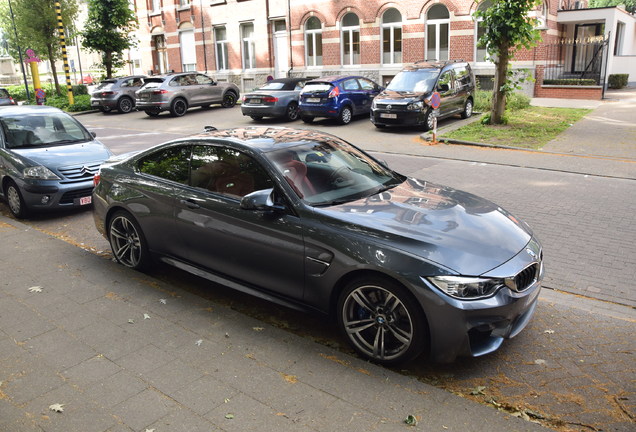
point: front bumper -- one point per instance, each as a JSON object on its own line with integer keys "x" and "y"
{"x": 53, "y": 195}
{"x": 103, "y": 103}
{"x": 394, "y": 118}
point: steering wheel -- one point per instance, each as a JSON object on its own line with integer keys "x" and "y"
{"x": 339, "y": 177}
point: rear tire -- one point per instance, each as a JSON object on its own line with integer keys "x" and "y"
{"x": 292, "y": 113}
{"x": 125, "y": 105}
{"x": 127, "y": 241}
{"x": 345, "y": 116}
{"x": 16, "y": 203}
{"x": 178, "y": 107}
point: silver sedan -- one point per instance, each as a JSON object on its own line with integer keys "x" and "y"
{"x": 276, "y": 98}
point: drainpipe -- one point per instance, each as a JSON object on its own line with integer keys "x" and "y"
{"x": 205, "y": 54}
{"x": 289, "y": 39}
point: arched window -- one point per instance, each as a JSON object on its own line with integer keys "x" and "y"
{"x": 350, "y": 39}
{"x": 391, "y": 36}
{"x": 313, "y": 42}
{"x": 437, "y": 33}
{"x": 480, "y": 29}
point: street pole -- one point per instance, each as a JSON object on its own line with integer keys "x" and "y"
{"x": 26, "y": 83}
{"x": 60, "y": 29}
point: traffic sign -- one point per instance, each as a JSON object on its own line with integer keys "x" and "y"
{"x": 435, "y": 100}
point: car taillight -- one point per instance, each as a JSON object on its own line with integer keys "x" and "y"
{"x": 97, "y": 178}
{"x": 334, "y": 93}
{"x": 12, "y": 101}
{"x": 159, "y": 91}
{"x": 270, "y": 99}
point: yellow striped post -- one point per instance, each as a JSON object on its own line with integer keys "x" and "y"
{"x": 67, "y": 71}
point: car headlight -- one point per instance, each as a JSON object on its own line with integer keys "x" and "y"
{"x": 467, "y": 288}
{"x": 39, "y": 173}
{"x": 415, "y": 106}
{"x": 374, "y": 104}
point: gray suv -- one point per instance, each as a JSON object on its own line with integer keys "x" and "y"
{"x": 407, "y": 99}
{"x": 117, "y": 94}
{"x": 180, "y": 91}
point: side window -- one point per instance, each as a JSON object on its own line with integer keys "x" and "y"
{"x": 203, "y": 79}
{"x": 172, "y": 164}
{"x": 227, "y": 171}
{"x": 351, "y": 84}
{"x": 462, "y": 77}
{"x": 445, "y": 83}
{"x": 366, "y": 84}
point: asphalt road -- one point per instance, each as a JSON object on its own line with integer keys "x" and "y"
{"x": 572, "y": 364}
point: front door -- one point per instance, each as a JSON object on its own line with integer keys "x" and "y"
{"x": 281, "y": 49}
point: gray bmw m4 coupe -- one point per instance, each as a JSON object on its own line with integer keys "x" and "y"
{"x": 307, "y": 220}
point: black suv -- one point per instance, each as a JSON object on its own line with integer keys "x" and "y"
{"x": 407, "y": 98}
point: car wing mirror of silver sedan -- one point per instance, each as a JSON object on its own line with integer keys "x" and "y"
{"x": 261, "y": 200}
{"x": 93, "y": 134}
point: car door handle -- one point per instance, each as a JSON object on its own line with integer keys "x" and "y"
{"x": 190, "y": 204}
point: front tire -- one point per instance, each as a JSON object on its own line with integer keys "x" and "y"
{"x": 16, "y": 203}
{"x": 382, "y": 321}
{"x": 127, "y": 241}
{"x": 178, "y": 107}
{"x": 429, "y": 120}
{"x": 468, "y": 109}
{"x": 346, "y": 115}
{"x": 229, "y": 100}
{"x": 125, "y": 105}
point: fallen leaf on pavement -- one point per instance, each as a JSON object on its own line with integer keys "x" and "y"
{"x": 229, "y": 416}
{"x": 549, "y": 331}
{"x": 258, "y": 328}
{"x": 199, "y": 342}
{"x": 57, "y": 407}
{"x": 36, "y": 289}
{"x": 479, "y": 390}
{"x": 146, "y": 316}
{"x": 163, "y": 301}
{"x": 410, "y": 420}
{"x": 540, "y": 362}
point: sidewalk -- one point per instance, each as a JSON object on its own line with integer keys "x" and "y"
{"x": 100, "y": 341}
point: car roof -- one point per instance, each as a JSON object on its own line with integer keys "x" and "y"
{"x": 263, "y": 139}
{"x": 28, "y": 109}
{"x": 333, "y": 78}
{"x": 433, "y": 64}
{"x": 287, "y": 80}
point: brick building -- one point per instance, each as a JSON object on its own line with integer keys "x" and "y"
{"x": 245, "y": 41}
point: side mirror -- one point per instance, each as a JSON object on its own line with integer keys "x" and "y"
{"x": 260, "y": 200}
{"x": 93, "y": 134}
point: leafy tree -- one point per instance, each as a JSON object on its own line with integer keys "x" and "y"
{"x": 36, "y": 23}
{"x": 508, "y": 28}
{"x": 630, "y": 5}
{"x": 108, "y": 30}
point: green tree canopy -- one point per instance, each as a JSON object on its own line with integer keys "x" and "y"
{"x": 108, "y": 30}
{"x": 508, "y": 28}
{"x": 630, "y": 5}
{"x": 36, "y": 24}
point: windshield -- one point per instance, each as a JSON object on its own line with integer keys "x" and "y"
{"x": 42, "y": 129}
{"x": 332, "y": 172}
{"x": 416, "y": 81}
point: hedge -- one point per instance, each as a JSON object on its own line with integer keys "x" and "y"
{"x": 570, "y": 82}
{"x": 617, "y": 81}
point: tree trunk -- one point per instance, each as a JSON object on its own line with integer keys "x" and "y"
{"x": 49, "y": 48}
{"x": 108, "y": 62}
{"x": 498, "y": 95}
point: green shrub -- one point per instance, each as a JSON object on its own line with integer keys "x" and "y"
{"x": 617, "y": 81}
{"x": 570, "y": 82}
{"x": 514, "y": 101}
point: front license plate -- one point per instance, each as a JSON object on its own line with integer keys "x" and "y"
{"x": 85, "y": 200}
{"x": 255, "y": 101}
{"x": 95, "y": 103}
{"x": 313, "y": 100}
{"x": 387, "y": 115}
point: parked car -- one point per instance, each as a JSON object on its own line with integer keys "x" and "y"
{"x": 47, "y": 159}
{"x": 339, "y": 97}
{"x": 407, "y": 99}
{"x": 5, "y": 97}
{"x": 275, "y": 98}
{"x": 117, "y": 93}
{"x": 180, "y": 91}
{"x": 307, "y": 220}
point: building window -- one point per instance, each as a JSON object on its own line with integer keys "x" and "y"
{"x": 437, "y": 33}
{"x": 481, "y": 55}
{"x": 155, "y": 6}
{"x": 350, "y": 39}
{"x": 220, "y": 42}
{"x": 542, "y": 17}
{"x": 183, "y": 4}
{"x": 248, "y": 46}
{"x": 188, "y": 50}
{"x": 313, "y": 42}
{"x": 391, "y": 37}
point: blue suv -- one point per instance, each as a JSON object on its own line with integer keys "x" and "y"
{"x": 339, "y": 97}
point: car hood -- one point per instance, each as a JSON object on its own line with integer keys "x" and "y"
{"x": 458, "y": 230}
{"x": 65, "y": 155}
{"x": 391, "y": 96}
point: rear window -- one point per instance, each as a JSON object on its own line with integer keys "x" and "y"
{"x": 4, "y": 94}
{"x": 153, "y": 82}
{"x": 106, "y": 83}
{"x": 317, "y": 87}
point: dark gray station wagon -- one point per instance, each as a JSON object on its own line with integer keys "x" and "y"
{"x": 307, "y": 220}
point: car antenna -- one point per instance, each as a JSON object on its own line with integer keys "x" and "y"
{"x": 209, "y": 128}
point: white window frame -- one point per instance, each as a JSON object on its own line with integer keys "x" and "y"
{"x": 350, "y": 31}
{"x": 391, "y": 26}
{"x": 437, "y": 23}
{"x": 220, "y": 47}
{"x": 155, "y": 6}
{"x": 312, "y": 61}
{"x": 248, "y": 47}
{"x": 484, "y": 60}
{"x": 185, "y": 53}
